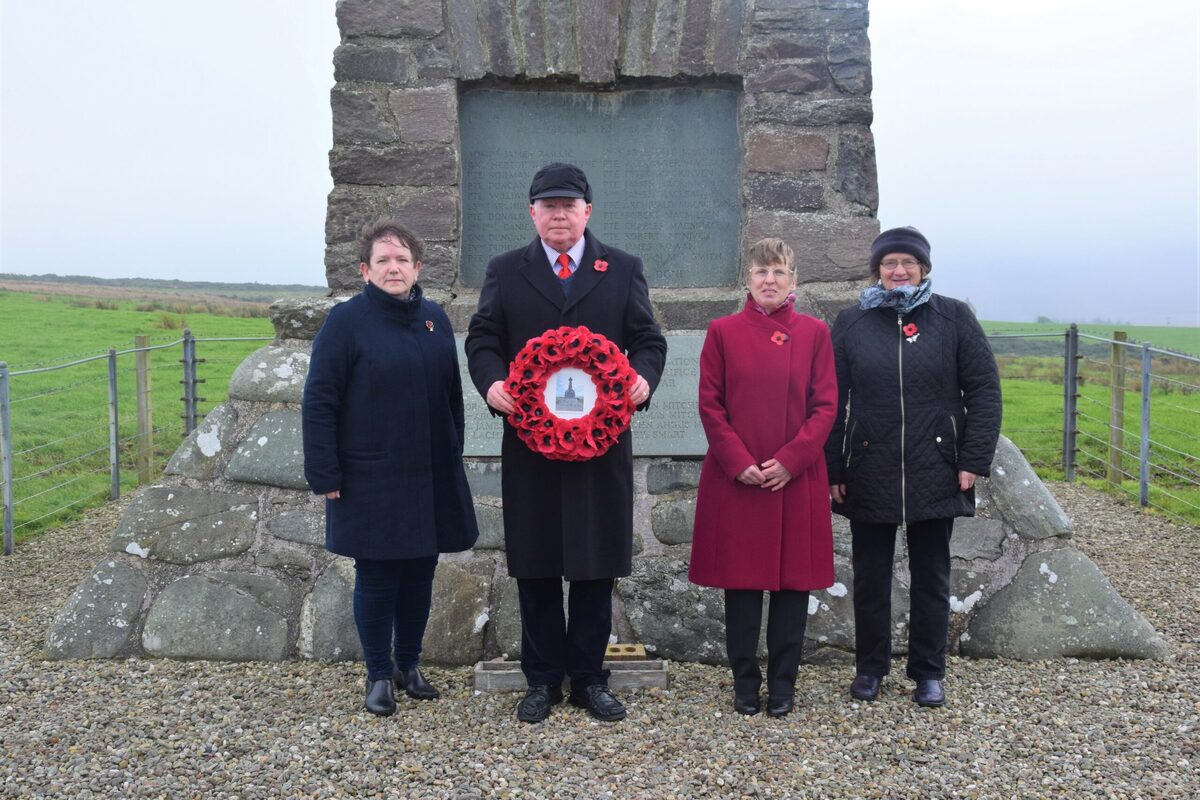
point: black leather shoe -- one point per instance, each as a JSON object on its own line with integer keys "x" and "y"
{"x": 746, "y": 704}
{"x": 380, "y": 700}
{"x": 536, "y": 704}
{"x": 414, "y": 684}
{"x": 600, "y": 702}
{"x": 780, "y": 706}
{"x": 865, "y": 687}
{"x": 930, "y": 693}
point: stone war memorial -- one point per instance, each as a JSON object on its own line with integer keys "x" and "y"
{"x": 703, "y": 126}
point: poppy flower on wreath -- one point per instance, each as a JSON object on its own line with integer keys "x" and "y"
{"x": 779, "y": 337}
{"x": 561, "y": 438}
{"x": 600, "y": 265}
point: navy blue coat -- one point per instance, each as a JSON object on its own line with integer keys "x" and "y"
{"x": 383, "y": 423}
{"x": 565, "y": 519}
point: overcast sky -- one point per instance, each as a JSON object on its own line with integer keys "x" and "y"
{"x": 1047, "y": 148}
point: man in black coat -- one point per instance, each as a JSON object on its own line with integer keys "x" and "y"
{"x": 564, "y": 520}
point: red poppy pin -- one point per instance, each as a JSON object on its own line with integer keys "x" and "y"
{"x": 910, "y": 332}
{"x": 779, "y": 337}
{"x": 600, "y": 265}
{"x": 429, "y": 325}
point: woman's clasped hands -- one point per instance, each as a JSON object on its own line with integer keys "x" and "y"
{"x": 770, "y": 475}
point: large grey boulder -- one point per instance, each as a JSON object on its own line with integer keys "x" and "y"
{"x": 327, "y": 630}
{"x": 301, "y": 318}
{"x": 271, "y": 374}
{"x": 225, "y": 616}
{"x": 298, "y": 526}
{"x": 977, "y": 537}
{"x": 204, "y": 447}
{"x": 505, "y": 621}
{"x": 460, "y": 613}
{"x": 98, "y": 620}
{"x": 831, "y": 611}
{"x": 271, "y": 453}
{"x": 182, "y": 525}
{"x": 672, "y": 519}
{"x": 664, "y": 477}
{"x": 1059, "y": 604}
{"x": 1017, "y": 495}
{"x": 490, "y": 518}
{"x": 671, "y": 615}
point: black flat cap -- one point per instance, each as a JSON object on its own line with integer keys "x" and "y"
{"x": 560, "y": 180}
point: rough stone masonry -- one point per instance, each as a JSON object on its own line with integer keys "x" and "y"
{"x": 223, "y": 559}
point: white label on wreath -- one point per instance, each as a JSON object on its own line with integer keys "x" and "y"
{"x": 570, "y": 393}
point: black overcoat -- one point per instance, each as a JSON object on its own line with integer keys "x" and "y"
{"x": 565, "y": 519}
{"x": 911, "y": 414}
{"x": 383, "y": 423}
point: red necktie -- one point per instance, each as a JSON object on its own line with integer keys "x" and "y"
{"x": 564, "y": 268}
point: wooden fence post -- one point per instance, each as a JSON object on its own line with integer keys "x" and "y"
{"x": 1116, "y": 419}
{"x": 145, "y": 410}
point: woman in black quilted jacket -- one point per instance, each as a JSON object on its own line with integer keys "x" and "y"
{"x": 918, "y": 418}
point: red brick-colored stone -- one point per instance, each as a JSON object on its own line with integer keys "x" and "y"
{"x": 785, "y": 150}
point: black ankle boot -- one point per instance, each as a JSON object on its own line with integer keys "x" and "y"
{"x": 414, "y": 684}
{"x": 380, "y": 700}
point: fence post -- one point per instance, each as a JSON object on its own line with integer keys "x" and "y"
{"x": 6, "y": 460}
{"x": 189, "y": 382}
{"x": 1070, "y": 398}
{"x": 1116, "y": 414}
{"x": 114, "y": 459}
{"x": 145, "y": 410}
{"x": 1144, "y": 449}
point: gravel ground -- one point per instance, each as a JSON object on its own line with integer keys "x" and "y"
{"x": 156, "y": 728}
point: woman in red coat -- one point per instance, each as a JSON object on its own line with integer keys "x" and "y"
{"x": 768, "y": 393}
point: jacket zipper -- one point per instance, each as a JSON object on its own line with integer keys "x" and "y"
{"x": 903, "y": 480}
{"x": 954, "y": 427}
{"x": 848, "y": 437}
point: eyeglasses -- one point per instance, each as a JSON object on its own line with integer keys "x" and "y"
{"x": 891, "y": 264}
{"x": 779, "y": 273}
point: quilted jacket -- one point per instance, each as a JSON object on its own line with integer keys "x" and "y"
{"x": 918, "y": 400}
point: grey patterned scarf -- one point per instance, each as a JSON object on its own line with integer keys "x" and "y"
{"x": 902, "y": 298}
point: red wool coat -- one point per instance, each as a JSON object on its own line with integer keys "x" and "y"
{"x": 767, "y": 390}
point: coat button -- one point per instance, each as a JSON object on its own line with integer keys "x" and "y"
{"x": 939, "y": 439}
{"x": 865, "y": 444}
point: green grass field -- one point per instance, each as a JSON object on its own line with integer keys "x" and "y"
{"x": 1177, "y": 338}
{"x": 59, "y": 419}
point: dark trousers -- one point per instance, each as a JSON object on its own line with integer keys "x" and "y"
{"x": 787, "y": 616}
{"x": 554, "y": 645}
{"x": 391, "y": 607}
{"x": 929, "y": 612}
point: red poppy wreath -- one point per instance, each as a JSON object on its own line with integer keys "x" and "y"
{"x": 571, "y": 388}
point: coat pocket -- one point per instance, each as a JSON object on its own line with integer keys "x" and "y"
{"x": 858, "y": 442}
{"x": 946, "y": 439}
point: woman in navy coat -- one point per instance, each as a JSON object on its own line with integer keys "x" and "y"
{"x": 383, "y": 441}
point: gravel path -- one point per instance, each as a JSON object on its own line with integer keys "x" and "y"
{"x": 155, "y": 728}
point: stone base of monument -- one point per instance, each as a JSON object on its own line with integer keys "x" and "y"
{"x": 500, "y": 675}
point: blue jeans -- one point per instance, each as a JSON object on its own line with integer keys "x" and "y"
{"x": 391, "y": 607}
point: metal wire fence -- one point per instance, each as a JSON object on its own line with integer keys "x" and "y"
{"x": 75, "y": 434}
{"x": 1123, "y": 416}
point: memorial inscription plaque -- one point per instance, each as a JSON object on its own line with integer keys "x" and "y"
{"x": 663, "y": 165}
{"x": 670, "y": 428}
